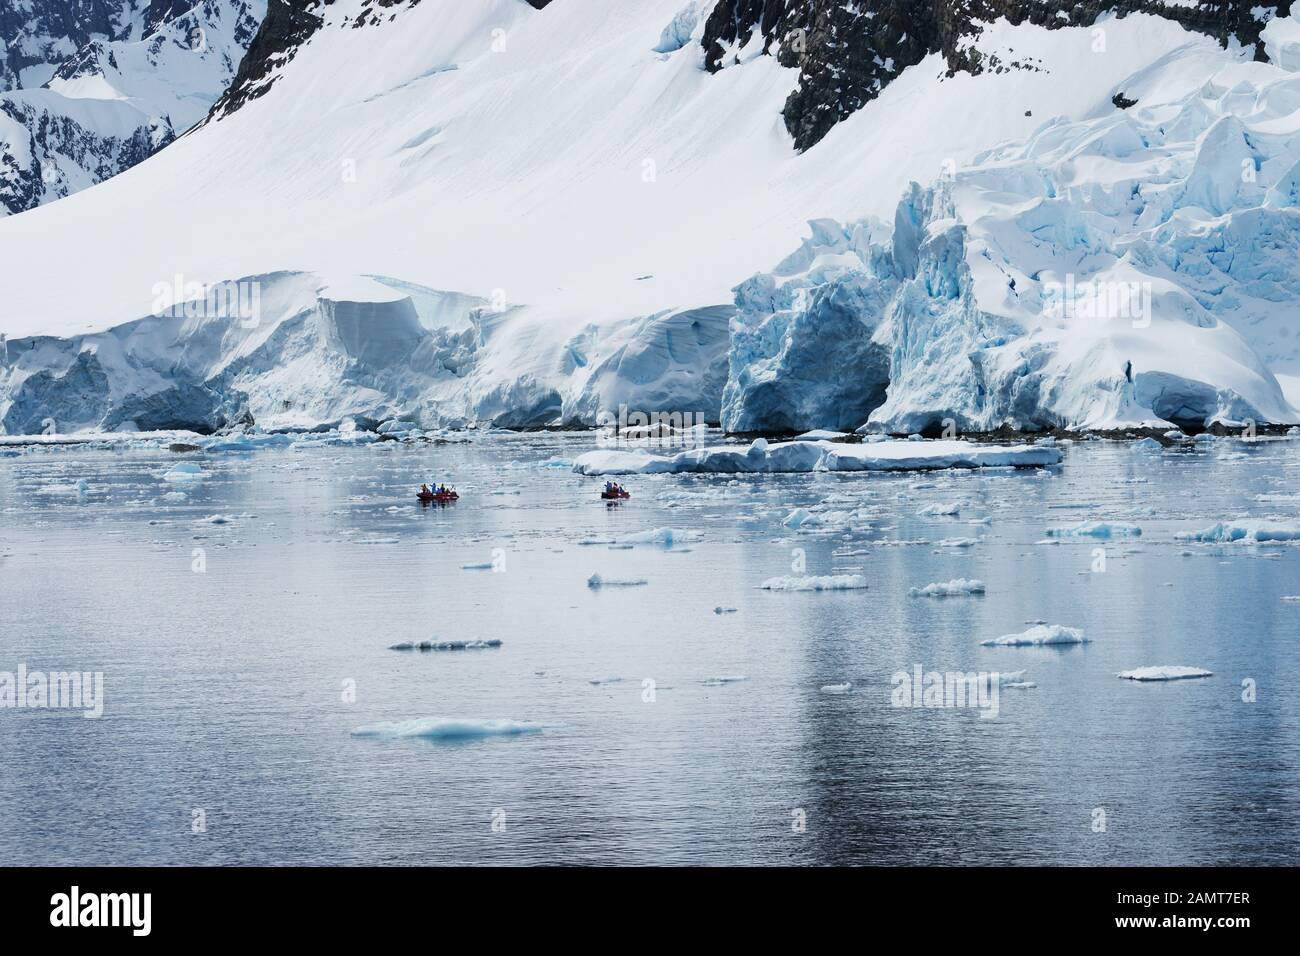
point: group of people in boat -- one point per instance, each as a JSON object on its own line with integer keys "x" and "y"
{"x": 437, "y": 489}
{"x": 613, "y": 489}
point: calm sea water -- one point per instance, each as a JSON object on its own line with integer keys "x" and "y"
{"x": 232, "y": 691}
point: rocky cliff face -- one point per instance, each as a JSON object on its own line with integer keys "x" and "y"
{"x": 91, "y": 91}
{"x": 847, "y": 53}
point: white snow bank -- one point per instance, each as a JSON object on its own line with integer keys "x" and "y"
{"x": 447, "y": 728}
{"x": 1095, "y": 529}
{"x": 830, "y": 582}
{"x": 1244, "y": 532}
{"x": 956, "y": 586}
{"x": 1039, "y": 635}
{"x": 799, "y": 456}
{"x": 1164, "y": 672}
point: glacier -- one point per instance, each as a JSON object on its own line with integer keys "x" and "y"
{"x": 516, "y": 234}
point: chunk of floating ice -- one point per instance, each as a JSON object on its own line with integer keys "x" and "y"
{"x": 605, "y": 680}
{"x": 467, "y": 645}
{"x": 829, "y": 582}
{"x": 800, "y": 517}
{"x": 477, "y": 566}
{"x": 719, "y": 681}
{"x": 951, "y": 588}
{"x": 665, "y": 536}
{"x": 1255, "y": 532}
{"x": 1148, "y": 443}
{"x": 938, "y": 509}
{"x": 957, "y": 543}
{"x": 1095, "y": 529}
{"x": 820, "y": 434}
{"x": 183, "y": 471}
{"x": 1168, "y": 672}
{"x": 1291, "y": 598}
{"x": 798, "y": 456}
{"x": 447, "y": 728}
{"x": 596, "y": 581}
{"x": 1037, "y": 636}
{"x": 837, "y": 688}
{"x": 731, "y": 610}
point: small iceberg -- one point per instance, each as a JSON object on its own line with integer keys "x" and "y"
{"x": 1040, "y": 635}
{"x": 184, "y": 471}
{"x": 953, "y": 588}
{"x": 596, "y": 582}
{"x": 837, "y": 688}
{"x": 1167, "y": 672}
{"x": 828, "y": 582}
{"x": 731, "y": 610}
{"x": 664, "y": 536}
{"x": 1256, "y": 532}
{"x": 468, "y": 645}
{"x": 720, "y": 681}
{"x": 939, "y": 510}
{"x": 447, "y": 728}
{"x": 1096, "y": 529}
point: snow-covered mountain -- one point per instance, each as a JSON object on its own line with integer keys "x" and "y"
{"x": 1025, "y": 214}
{"x": 95, "y": 89}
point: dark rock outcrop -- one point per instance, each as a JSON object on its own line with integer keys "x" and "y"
{"x": 846, "y": 53}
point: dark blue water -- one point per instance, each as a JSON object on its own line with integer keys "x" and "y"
{"x": 232, "y": 693}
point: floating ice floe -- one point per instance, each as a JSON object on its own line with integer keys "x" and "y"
{"x": 477, "y": 566}
{"x": 938, "y": 510}
{"x": 184, "y": 471}
{"x": 664, "y": 536}
{"x": 1038, "y": 636}
{"x": 1260, "y": 532}
{"x": 447, "y": 728}
{"x": 801, "y": 456}
{"x": 1167, "y": 672}
{"x": 954, "y": 542}
{"x": 828, "y": 582}
{"x": 731, "y": 610}
{"x": 953, "y": 588}
{"x": 821, "y": 434}
{"x": 1096, "y": 529}
{"x": 837, "y": 688}
{"x": 596, "y": 582}
{"x": 467, "y": 645}
{"x": 719, "y": 681}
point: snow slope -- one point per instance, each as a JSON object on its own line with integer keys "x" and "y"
{"x": 567, "y": 199}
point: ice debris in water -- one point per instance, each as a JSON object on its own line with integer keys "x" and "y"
{"x": 664, "y": 536}
{"x": 937, "y": 510}
{"x": 184, "y": 471}
{"x": 957, "y": 543}
{"x": 1166, "y": 672}
{"x": 1246, "y": 533}
{"x": 465, "y": 645}
{"x": 447, "y": 728}
{"x": 802, "y": 456}
{"x": 843, "y": 688}
{"x": 1037, "y": 636}
{"x": 596, "y": 582}
{"x": 953, "y": 588}
{"x": 719, "y": 681}
{"x": 731, "y": 610}
{"x": 1096, "y": 529}
{"x": 829, "y": 582}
